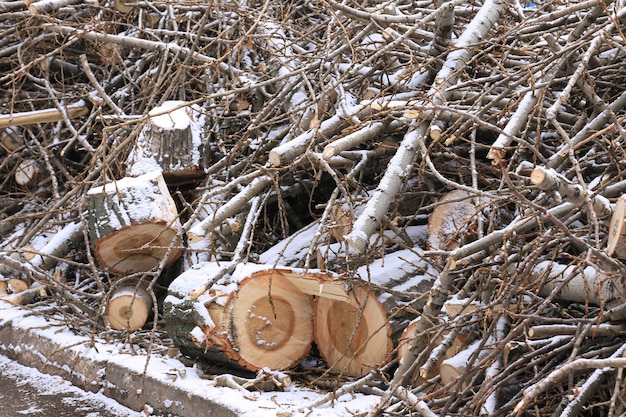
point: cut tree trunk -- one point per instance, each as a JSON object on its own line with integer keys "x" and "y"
{"x": 173, "y": 141}
{"x": 580, "y": 284}
{"x": 393, "y": 286}
{"x": 11, "y": 138}
{"x": 451, "y": 343}
{"x": 455, "y": 366}
{"x": 259, "y": 319}
{"x": 133, "y": 223}
{"x": 23, "y": 296}
{"x": 264, "y": 318}
{"x": 129, "y": 307}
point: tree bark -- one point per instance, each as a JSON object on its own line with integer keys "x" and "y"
{"x": 75, "y": 110}
{"x": 173, "y": 141}
{"x": 616, "y": 244}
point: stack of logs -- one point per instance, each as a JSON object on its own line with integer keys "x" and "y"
{"x": 134, "y": 224}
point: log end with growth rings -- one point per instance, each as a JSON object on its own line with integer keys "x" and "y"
{"x": 271, "y": 322}
{"x": 616, "y": 244}
{"x": 137, "y": 248}
{"x": 129, "y": 308}
{"x": 353, "y": 337}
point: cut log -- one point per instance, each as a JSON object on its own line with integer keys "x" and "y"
{"x": 617, "y": 233}
{"x": 457, "y": 344}
{"x": 452, "y": 221}
{"x": 129, "y": 307}
{"x": 259, "y": 320}
{"x": 583, "y": 285}
{"x": 11, "y": 138}
{"x": 48, "y": 6}
{"x": 448, "y": 345}
{"x": 123, "y": 6}
{"x": 548, "y": 179}
{"x": 27, "y": 172}
{"x": 22, "y": 296}
{"x": 272, "y": 319}
{"x": 456, "y": 366}
{"x": 399, "y": 280}
{"x": 18, "y": 285}
{"x": 133, "y": 223}
{"x": 172, "y": 141}
{"x": 352, "y": 336}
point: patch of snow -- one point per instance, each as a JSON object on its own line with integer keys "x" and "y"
{"x": 166, "y": 118}
{"x": 402, "y": 270}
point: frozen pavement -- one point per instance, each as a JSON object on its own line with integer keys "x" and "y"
{"x": 160, "y": 386}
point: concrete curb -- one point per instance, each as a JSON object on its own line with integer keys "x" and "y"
{"x": 122, "y": 383}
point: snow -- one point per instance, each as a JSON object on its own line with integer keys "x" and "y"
{"x": 142, "y": 165}
{"x": 60, "y": 238}
{"x": 177, "y": 119}
{"x": 405, "y": 267}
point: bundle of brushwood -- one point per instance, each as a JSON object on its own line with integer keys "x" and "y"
{"x": 424, "y": 198}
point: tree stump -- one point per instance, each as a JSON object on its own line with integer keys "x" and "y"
{"x": 172, "y": 141}
{"x": 132, "y": 223}
{"x": 129, "y": 307}
{"x": 258, "y": 319}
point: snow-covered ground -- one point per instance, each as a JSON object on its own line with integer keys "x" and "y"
{"x": 166, "y": 371}
{"x": 28, "y": 392}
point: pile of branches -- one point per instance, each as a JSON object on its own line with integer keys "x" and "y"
{"x": 380, "y": 109}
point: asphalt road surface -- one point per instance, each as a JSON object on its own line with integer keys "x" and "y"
{"x": 26, "y": 392}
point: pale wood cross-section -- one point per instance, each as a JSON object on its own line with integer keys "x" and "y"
{"x": 451, "y": 220}
{"x": 259, "y": 320}
{"x": 129, "y": 308}
{"x": 264, "y": 317}
{"x": 27, "y": 172}
{"x": 271, "y": 322}
{"x": 352, "y": 332}
{"x": 353, "y": 335}
{"x": 617, "y": 236}
{"x": 133, "y": 222}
